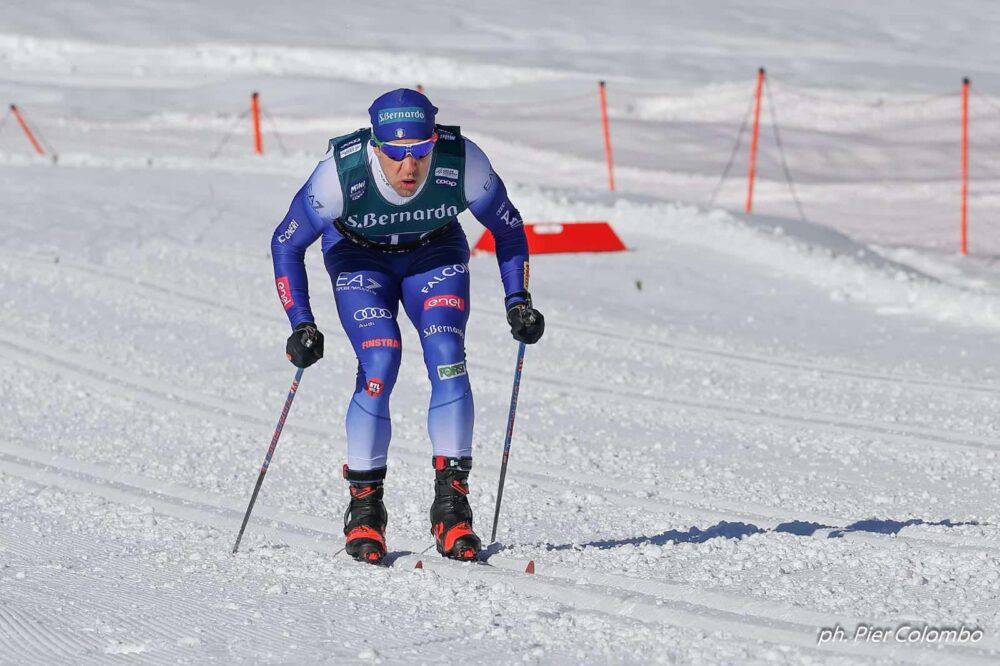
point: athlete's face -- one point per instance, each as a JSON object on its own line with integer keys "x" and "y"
{"x": 407, "y": 175}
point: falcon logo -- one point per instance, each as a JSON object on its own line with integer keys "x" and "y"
{"x": 284, "y": 292}
{"x": 445, "y": 301}
{"x": 374, "y": 387}
{"x": 447, "y": 272}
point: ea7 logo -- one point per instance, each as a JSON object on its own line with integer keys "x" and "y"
{"x": 293, "y": 226}
{"x": 445, "y": 301}
{"x": 374, "y": 387}
{"x": 372, "y": 313}
{"x": 356, "y": 281}
{"x": 284, "y": 292}
{"x": 451, "y": 371}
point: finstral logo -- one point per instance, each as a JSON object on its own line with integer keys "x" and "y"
{"x": 408, "y": 114}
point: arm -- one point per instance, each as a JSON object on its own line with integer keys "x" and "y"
{"x": 488, "y": 201}
{"x": 299, "y": 229}
{"x": 292, "y": 236}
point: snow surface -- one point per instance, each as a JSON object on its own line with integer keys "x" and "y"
{"x": 743, "y": 430}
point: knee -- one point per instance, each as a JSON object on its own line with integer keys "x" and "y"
{"x": 377, "y": 370}
{"x": 444, "y": 348}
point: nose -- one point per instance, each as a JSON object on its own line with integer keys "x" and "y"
{"x": 409, "y": 162}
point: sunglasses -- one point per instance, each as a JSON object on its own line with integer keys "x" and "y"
{"x": 398, "y": 151}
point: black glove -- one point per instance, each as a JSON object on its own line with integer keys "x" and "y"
{"x": 526, "y": 323}
{"x": 305, "y": 345}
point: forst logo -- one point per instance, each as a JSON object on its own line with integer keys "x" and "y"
{"x": 374, "y": 387}
{"x": 451, "y": 371}
{"x": 284, "y": 292}
{"x": 445, "y": 301}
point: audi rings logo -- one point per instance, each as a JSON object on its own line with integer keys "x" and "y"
{"x": 364, "y": 314}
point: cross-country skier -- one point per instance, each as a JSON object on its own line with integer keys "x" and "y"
{"x": 384, "y": 200}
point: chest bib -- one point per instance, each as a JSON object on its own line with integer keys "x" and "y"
{"x": 366, "y": 211}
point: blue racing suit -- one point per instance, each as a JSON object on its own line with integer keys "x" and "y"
{"x": 348, "y": 190}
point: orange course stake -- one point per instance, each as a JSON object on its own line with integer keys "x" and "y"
{"x": 258, "y": 145}
{"x": 965, "y": 166}
{"x": 753, "y": 143}
{"x": 27, "y": 130}
{"x": 607, "y": 136}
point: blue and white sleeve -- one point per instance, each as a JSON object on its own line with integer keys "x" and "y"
{"x": 488, "y": 201}
{"x": 319, "y": 201}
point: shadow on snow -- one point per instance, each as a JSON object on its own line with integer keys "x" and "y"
{"x": 729, "y": 530}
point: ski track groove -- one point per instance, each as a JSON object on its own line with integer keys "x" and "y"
{"x": 614, "y": 596}
{"x": 23, "y": 635}
{"x": 682, "y": 348}
{"x": 730, "y": 409}
{"x": 623, "y": 495}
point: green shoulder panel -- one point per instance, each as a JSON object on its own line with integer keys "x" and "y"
{"x": 349, "y": 150}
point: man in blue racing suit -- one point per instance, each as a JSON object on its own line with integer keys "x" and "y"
{"x": 384, "y": 200}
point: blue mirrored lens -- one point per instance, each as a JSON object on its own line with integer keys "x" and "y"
{"x": 398, "y": 153}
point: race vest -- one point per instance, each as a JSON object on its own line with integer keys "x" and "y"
{"x": 367, "y": 213}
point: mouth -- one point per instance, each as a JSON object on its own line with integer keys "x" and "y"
{"x": 408, "y": 183}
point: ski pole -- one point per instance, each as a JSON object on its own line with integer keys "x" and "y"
{"x": 510, "y": 432}
{"x": 270, "y": 452}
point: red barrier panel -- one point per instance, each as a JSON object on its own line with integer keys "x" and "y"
{"x": 551, "y": 237}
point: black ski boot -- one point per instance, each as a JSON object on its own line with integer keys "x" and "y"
{"x": 451, "y": 515}
{"x": 365, "y": 518}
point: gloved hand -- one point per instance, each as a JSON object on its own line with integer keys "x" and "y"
{"x": 305, "y": 345}
{"x": 526, "y": 323}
